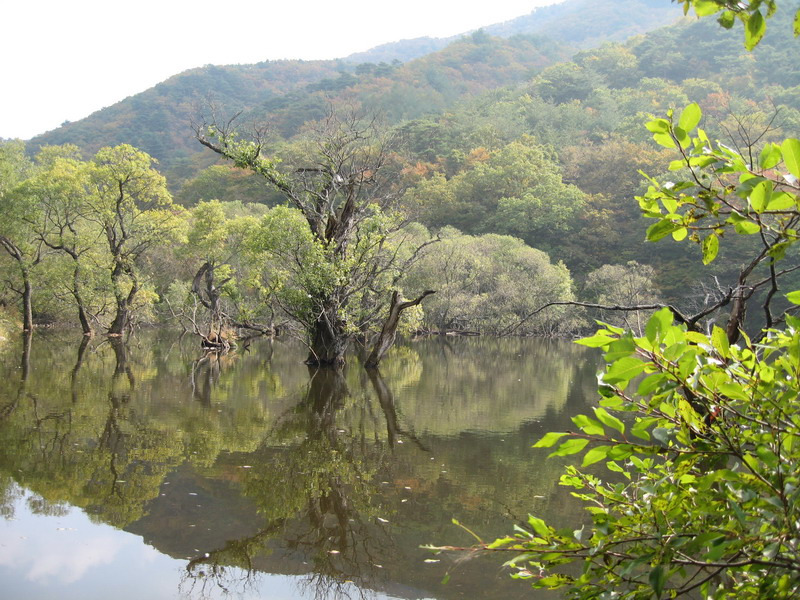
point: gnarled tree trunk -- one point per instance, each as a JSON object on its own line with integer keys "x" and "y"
{"x": 27, "y": 302}
{"x": 83, "y": 316}
{"x": 124, "y": 301}
{"x": 389, "y": 330}
{"x": 329, "y": 340}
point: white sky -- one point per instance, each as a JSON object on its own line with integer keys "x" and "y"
{"x": 63, "y": 59}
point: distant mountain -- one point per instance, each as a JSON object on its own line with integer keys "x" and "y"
{"x": 587, "y": 23}
{"x": 577, "y": 23}
{"x": 403, "y": 50}
{"x": 290, "y": 92}
{"x": 158, "y": 119}
{"x": 428, "y": 85}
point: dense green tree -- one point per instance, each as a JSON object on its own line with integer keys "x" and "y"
{"x": 609, "y": 173}
{"x": 564, "y": 82}
{"x": 20, "y": 212}
{"x": 133, "y": 209}
{"x": 630, "y": 284}
{"x": 334, "y": 240}
{"x": 61, "y": 187}
{"x": 221, "y": 239}
{"x": 516, "y": 190}
{"x": 616, "y": 65}
{"x": 491, "y": 284}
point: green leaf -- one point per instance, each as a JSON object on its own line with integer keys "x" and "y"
{"x": 747, "y": 227}
{"x": 790, "y": 148}
{"x": 689, "y": 414}
{"x": 620, "y": 452}
{"x": 760, "y": 195}
{"x": 696, "y": 337}
{"x": 720, "y": 341}
{"x": 658, "y": 126}
{"x": 793, "y": 297}
{"x": 661, "y": 229}
{"x": 682, "y": 136}
{"x": 641, "y": 427}
{"x": 782, "y": 201}
{"x": 690, "y": 117}
{"x": 657, "y": 580}
{"x": 650, "y": 384}
{"x": 676, "y": 165}
{"x": 609, "y": 420}
{"x": 500, "y": 542}
{"x": 623, "y": 370}
{"x": 771, "y": 550}
{"x": 588, "y": 425}
{"x": 703, "y": 8}
{"x": 595, "y": 455}
{"x": 658, "y": 323}
{"x": 549, "y": 440}
{"x": 733, "y": 390}
{"x": 727, "y": 19}
{"x": 662, "y": 436}
{"x": 596, "y": 341}
{"x": 552, "y": 582}
{"x": 539, "y": 526}
{"x": 754, "y": 30}
{"x": 778, "y": 251}
{"x": 620, "y": 348}
{"x": 710, "y": 248}
{"x": 770, "y": 156}
{"x": 571, "y": 446}
{"x": 797, "y": 23}
{"x": 664, "y": 139}
{"x": 680, "y": 234}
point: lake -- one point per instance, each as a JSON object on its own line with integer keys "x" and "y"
{"x": 151, "y": 470}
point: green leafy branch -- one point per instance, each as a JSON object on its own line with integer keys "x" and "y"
{"x": 705, "y": 498}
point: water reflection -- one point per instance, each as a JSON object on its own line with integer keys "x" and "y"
{"x": 248, "y": 463}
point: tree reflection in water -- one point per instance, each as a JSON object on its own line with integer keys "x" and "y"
{"x": 248, "y": 463}
{"x": 317, "y": 496}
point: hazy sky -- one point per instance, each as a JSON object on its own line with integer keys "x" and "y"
{"x": 63, "y": 59}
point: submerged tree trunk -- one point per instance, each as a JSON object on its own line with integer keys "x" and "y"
{"x": 210, "y": 296}
{"x": 27, "y": 302}
{"x": 329, "y": 341}
{"x": 83, "y": 316}
{"x": 389, "y": 331}
{"x": 124, "y": 302}
{"x": 27, "y": 289}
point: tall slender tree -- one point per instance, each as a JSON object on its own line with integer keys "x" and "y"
{"x": 131, "y": 205}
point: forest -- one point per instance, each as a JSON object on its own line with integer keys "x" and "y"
{"x": 500, "y": 201}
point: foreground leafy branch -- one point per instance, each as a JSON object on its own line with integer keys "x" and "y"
{"x": 700, "y": 440}
{"x": 699, "y": 433}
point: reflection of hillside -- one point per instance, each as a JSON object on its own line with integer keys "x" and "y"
{"x": 487, "y": 384}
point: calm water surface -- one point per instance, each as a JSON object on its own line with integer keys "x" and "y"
{"x": 147, "y": 470}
